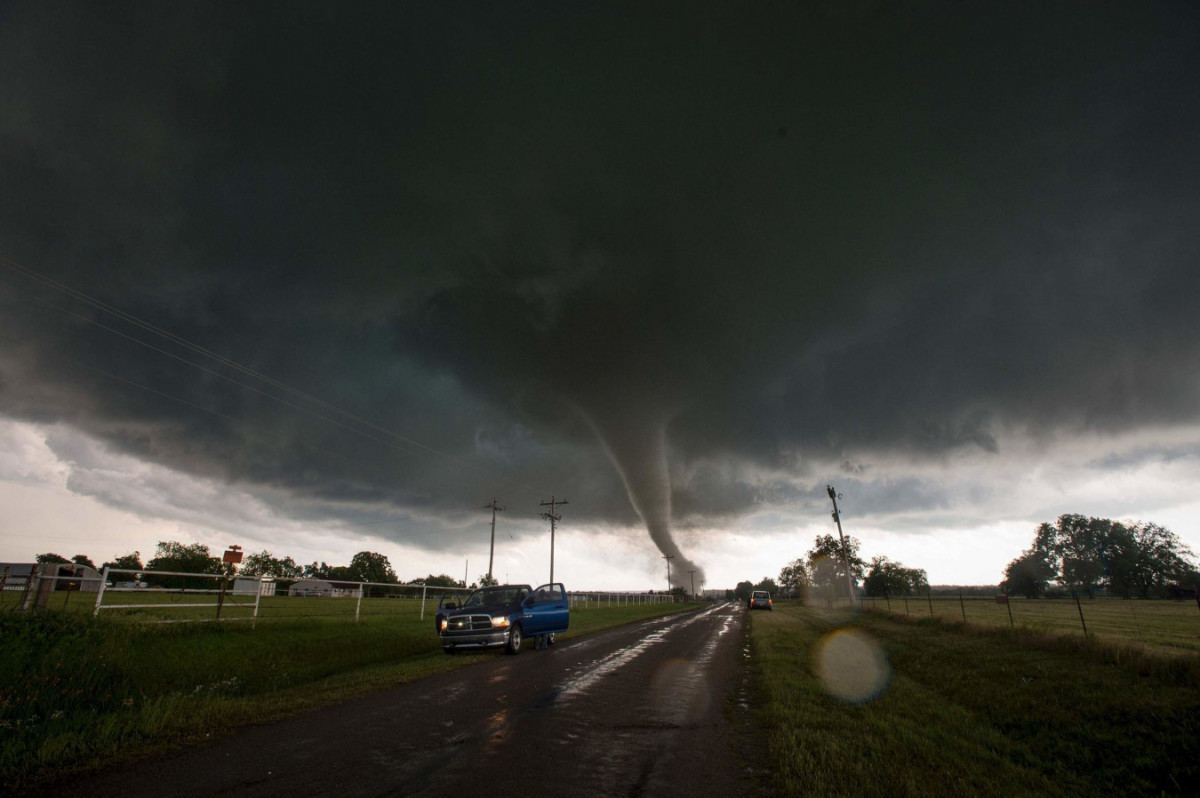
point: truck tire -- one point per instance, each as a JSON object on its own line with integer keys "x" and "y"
{"x": 513, "y": 646}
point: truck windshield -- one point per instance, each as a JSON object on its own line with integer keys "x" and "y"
{"x": 494, "y": 595}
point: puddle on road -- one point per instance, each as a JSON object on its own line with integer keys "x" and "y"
{"x": 598, "y": 669}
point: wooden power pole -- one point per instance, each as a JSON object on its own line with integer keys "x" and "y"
{"x": 492, "y": 552}
{"x": 845, "y": 556}
{"x": 553, "y": 518}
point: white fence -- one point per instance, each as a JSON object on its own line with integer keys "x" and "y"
{"x": 185, "y": 597}
{"x": 247, "y": 592}
{"x": 619, "y": 599}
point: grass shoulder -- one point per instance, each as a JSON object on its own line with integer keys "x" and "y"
{"x": 969, "y": 710}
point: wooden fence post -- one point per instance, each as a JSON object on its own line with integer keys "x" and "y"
{"x": 1079, "y": 607}
{"x": 963, "y": 606}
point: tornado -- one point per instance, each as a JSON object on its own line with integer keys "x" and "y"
{"x": 636, "y": 440}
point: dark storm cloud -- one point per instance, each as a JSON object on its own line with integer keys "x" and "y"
{"x": 700, "y": 235}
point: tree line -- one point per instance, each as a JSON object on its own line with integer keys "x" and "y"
{"x": 196, "y": 558}
{"x": 1076, "y": 553}
{"x": 1092, "y": 555}
{"x": 825, "y": 568}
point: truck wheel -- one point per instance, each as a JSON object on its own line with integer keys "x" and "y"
{"x": 513, "y": 646}
{"x": 448, "y": 650}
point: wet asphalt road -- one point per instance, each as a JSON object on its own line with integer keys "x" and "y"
{"x": 638, "y": 710}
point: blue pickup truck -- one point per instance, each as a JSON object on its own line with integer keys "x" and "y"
{"x": 503, "y": 615}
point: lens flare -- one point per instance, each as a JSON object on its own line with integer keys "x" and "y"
{"x": 852, "y": 666}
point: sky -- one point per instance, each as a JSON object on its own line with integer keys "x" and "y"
{"x": 319, "y": 279}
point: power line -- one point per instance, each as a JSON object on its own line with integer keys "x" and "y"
{"x": 230, "y": 363}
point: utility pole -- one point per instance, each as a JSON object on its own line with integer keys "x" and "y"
{"x": 693, "y": 575}
{"x": 668, "y": 558}
{"x": 553, "y": 519}
{"x": 837, "y": 517}
{"x": 492, "y": 554}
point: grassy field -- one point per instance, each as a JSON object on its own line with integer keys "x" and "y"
{"x": 1169, "y": 626}
{"x": 873, "y": 704}
{"x": 76, "y": 691}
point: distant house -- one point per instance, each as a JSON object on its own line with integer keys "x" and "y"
{"x": 65, "y": 576}
{"x": 77, "y": 577}
{"x": 246, "y": 585}
{"x": 323, "y": 588}
{"x": 15, "y": 575}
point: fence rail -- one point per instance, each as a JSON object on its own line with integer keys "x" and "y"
{"x": 1162, "y": 623}
{"x": 186, "y": 597}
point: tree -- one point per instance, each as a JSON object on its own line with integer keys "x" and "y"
{"x": 83, "y": 559}
{"x": 51, "y": 557}
{"x": 1028, "y": 575}
{"x": 487, "y": 580}
{"x": 767, "y": 584}
{"x": 888, "y": 578}
{"x": 323, "y": 570}
{"x": 793, "y": 579}
{"x": 192, "y": 558}
{"x": 1073, "y": 548}
{"x": 1087, "y": 554}
{"x": 264, "y": 563}
{"x": 131, "y": 561}
{"x": 743, "y": 590}
{"x": 827, "y": 561}
{"x": 371, "y": 566}
{"x": 1146, "y": 559}
{"x": 441, "y": 580}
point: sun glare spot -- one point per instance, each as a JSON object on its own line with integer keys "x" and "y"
{"x": 852, "y": 666}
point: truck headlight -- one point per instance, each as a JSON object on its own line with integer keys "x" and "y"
{"x": 500, "y": 622}
{"x": 443, "y": 624}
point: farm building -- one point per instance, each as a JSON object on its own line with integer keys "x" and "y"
{"x": 321, "y": 587}
{"x": 14, "y": 575}
{"x": 61, "y": 576}
{"x": 246, "y": 585}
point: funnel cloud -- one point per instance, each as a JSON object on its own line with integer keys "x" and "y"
{"x": 636, "y": 440}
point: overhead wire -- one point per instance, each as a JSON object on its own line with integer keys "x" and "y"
{"x": 230, "y": 363}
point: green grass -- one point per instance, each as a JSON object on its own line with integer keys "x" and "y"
{"x": 971, "y": 710}
{"x": 76, "y": 692}
{"x": 1169, "y": 626}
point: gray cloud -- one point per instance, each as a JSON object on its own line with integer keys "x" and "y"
{"x": 599, "y": 252}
